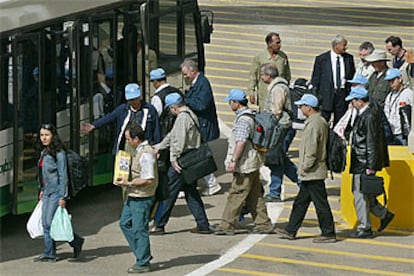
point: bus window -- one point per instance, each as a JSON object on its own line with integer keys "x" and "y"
{"x": 190, "y": 41}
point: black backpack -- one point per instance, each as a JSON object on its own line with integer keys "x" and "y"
{"x": 77, "y": 167}
{"x": 167, "y": 119}
{"x": 336, "y": 153}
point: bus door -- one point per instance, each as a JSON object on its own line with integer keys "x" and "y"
{"x": 27, "y": 86}
{"x": 6, "y": 127}
{"x": 98, "y": 59}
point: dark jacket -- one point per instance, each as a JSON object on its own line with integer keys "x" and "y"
{"x": 322, "y": 78}
{"x": 368, "y": 148}
{"x": 378, "y": 88}
{"x": 199, "y": 98}
{"x": 121, "y": 116}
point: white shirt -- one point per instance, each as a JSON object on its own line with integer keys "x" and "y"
{"x": 147, "y": 161}
{"x": 342, "y": 66}
{"x": 156, "y": 100}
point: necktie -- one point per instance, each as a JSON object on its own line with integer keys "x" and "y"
{"x": 338, "y": 73}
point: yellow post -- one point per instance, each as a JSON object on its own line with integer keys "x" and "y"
{"x": 398, "y": 184}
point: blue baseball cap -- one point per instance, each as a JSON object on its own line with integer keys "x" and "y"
{"x": 173, "y": 99}
{"x": 308, "y": 99}
{"x": 235, "y": 95}
{"x": 359, "y": 79}
{"x": 35, "y": 71}
{"x": 392, "y": 73}
{"x": 357, "y": 92}
{"x": 132, "y": 91}
{"x": 157, "y": 74}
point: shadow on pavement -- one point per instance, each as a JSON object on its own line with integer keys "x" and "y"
{"x": 184, "y": 260}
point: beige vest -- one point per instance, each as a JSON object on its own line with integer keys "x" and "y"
{"x": 251, "y": 160}
{"x": 142, "y": 190}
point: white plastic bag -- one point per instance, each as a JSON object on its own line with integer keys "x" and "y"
{"x": 34, "y": 224}
{"x": 61, "y": 227}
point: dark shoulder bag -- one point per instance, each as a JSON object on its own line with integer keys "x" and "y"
{"x": 374, "y": 185}
{"x": 198, "y": 162}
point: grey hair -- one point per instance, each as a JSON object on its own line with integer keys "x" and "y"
{"x": 190, "y": 64}
{"x": 270, "y": 69}
{"x": 338, "y": 39}
{"x": 367, "y": 45}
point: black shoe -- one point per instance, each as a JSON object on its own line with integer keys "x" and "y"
{"x": 285, "y": 234}
{"x": 269, "y": 198}
{"x": 157, "y": 231}
{"x": 385, "y": 221}
{"x": 361, "y": 234}
{"x": 78, "y": 248}
{"x": 197, "y": 230}
{"x": 139, "y": 269}
{"x": 44, "y": 259}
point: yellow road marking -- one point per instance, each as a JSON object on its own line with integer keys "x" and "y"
{"x": 324, "y": 265}
{"x": 247, "y": 272}
{"x": 337, "y": 252}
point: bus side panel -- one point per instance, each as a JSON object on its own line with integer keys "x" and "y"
{"x": 6, "y": 170}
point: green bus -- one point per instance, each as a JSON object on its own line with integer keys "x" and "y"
{"x": 56, "y": 56}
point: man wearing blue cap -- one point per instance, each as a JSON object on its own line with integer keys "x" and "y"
{"x": 133, "y": 110}
{"x": 244, "y": 162}
{"x": 369, "y": 153}
{"x": 184, "y": 135}
{"x": 312, "y": 171}
{"x": 399, "y": 99}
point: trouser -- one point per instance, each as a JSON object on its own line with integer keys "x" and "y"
{"x": 134, "y": 224}
{"x": 364, "y": 204}
{"x": 49, "y": 207}
{"x": 192, "y": 196}
{"x": 313, "y": 190}
{"x": 245, "y": 188}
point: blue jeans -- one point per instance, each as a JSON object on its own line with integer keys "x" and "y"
{"x": 192, "y": 197}
{"x": 288, "y": 168}
{"x": 134, "y": 224}
{"x": 50, "y": 205}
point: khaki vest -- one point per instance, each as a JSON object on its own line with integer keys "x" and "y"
{"x": 251, "y": 160}
{"x": 142, "y": 190}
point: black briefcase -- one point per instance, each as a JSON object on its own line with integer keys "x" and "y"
{"x": 372, "y": 184}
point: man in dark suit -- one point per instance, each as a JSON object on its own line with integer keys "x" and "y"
{"x": 199, "y": 97}
{"x": 331, "y": 71}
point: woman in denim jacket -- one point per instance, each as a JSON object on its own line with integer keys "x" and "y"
{"x": 53, "y": 180}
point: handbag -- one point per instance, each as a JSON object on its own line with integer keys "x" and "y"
{"x": 373, "y": 185}
{"x": 61, "y": 227}
{"x": 34, "y": 224}
{"x": 197, "y": 163}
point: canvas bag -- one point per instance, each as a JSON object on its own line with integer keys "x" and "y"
{"x": 34, "y": 224}
{"x": 61, "y": 227}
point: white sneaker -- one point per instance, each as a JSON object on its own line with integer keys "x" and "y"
{"x": 181, "y": 194}
{"x": 209, "y": 191}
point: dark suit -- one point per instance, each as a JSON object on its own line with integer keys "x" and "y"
{"x": 323, "y": 82}
{"x": 199, "y": 97}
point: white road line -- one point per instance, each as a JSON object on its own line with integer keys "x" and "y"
{"x": 229, "y": 256}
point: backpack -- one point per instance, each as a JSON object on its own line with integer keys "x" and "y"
{"x": 267, "y": 132}
{"x": 77, "y": 167}
{"x": 336, "y": 153}
{"x": 300, "y": 87}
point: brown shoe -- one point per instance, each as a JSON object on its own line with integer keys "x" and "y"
{"x": 284, "y": 234}
{"x": 196, "y": 230}
{"x": 157, "y": 231}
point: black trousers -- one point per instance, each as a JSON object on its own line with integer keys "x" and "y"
{"x": 339, "y": 106}
{"x": 314, "y": 191}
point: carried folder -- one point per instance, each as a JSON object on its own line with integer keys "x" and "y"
{"x": 122, "y": 163}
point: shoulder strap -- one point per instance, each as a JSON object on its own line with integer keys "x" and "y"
{"x": 195, "y": 123}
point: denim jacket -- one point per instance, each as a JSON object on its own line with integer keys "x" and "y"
{"x": 55, "y": 174}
